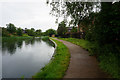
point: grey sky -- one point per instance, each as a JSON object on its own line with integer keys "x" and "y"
{"x": 27, "y": 14}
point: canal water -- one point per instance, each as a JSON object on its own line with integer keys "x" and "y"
{"x": 25, "y": 57}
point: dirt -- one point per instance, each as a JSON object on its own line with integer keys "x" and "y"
{"x": 81, "y": 64}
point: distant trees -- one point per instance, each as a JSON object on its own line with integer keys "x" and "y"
{"x": 61, "y": 29}
{"x": 49, "y": 32}
{"x": 31, "y": 32}
{"x": 38, "y": 32}
{"x": 11, "y": 28}
{"x": 5, "y": 32}
{"x": 19, "y": 32}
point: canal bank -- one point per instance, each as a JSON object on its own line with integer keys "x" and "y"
{"x": 58, "y": 65}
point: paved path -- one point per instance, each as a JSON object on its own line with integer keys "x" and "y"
{"x": 81, "y": 64}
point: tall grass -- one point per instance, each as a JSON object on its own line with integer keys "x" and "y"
{"x": 58, "y": 65}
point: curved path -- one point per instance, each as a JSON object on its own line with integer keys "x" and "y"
{"x": 81, "y": 64}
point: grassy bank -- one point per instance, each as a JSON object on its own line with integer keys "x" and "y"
{"x": 107, "y": 55}
{"x": 81, "y": 42}
{"x": 58, "y": 65}
{"x": 13, "y": 39}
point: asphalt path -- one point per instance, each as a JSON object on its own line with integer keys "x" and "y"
{"x": 81, "y": 64}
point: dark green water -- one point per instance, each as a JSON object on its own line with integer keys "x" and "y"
{"x": 24, "y": 57}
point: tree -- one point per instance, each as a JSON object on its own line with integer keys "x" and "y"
{"x": 19, "y": 32}
{"x": 5, "y": 32}
{"x": 74, "y": 29}
{"x": 107, "y": 26}
{"x": 11, "y": 28}
{"x": 50, "y": 32}
{"x": 76, "y": 10}
{"x": 30, "y": 32}
{"x": 38, "y": 32}
{"x": 33, "y": 29}
{"x": 61, "y": 29}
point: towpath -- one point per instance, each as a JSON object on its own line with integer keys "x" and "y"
{"x": 81, "y": 64}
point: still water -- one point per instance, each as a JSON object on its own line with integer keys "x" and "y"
{"x": 24, "y": 58}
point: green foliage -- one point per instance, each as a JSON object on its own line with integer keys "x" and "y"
{"x": 0, "y": 31}
{"x": 32, "y": 29}
{"x": 110, "y": 63}
{"x": 50, "y": 32}
{"x": 7, "y": 39}
{"x": 30, "y": 32}
{"x": 107, "y": 27}
{"x": 5, "y": 33}
{"x": 43, "y": 34}
{"x": 25, "y": 35}
{"x": 45, "y": 38}
{"x": 102, "y": 27}
{"x": 12, "y": 31}
{"x": 38, "y": 32}
{"x": 79, "y": 10}
{"x": 11, "y": 28}
{"x": 19, "y": 32}
{"x": 58, "y": 65}
{"x": 76, "y": 10}
{"x": 61, "y": 29}
{"x": 74, "y": 29}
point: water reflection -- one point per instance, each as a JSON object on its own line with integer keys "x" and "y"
{"x": 19, "y": 44}
{"x": 11, "y": 44}
{"x": 49, "y": 42}
{"x": 24, "y": 57}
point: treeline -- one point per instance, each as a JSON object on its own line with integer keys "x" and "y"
{"x": 12, "y": 30}
{"x": 101, "y": 27}
{"x": 49, "y": 32}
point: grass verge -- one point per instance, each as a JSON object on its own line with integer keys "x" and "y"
{"x": 57, "y": 67}
{"x": 83, "y": 43}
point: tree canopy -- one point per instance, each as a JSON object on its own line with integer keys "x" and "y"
{"x": 50, "y": 32}
{"x": 11, "y": 28}
{"x": 61, "y": 29}
{"x": 19, "y": 32}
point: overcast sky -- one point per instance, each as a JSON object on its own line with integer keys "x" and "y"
{"x": 27, "y": 14}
